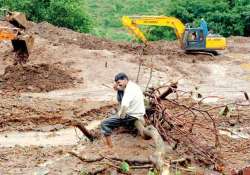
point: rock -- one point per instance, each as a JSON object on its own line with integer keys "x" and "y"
{"x": 42, "y": 171}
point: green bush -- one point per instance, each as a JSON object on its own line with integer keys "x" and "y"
{"x": 103, "y": 18}
{"x": 225, "y": 17}
{"x": 160, "y": 33}
{"x": 65, "y": 13}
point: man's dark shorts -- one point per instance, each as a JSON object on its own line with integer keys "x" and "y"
{"x": 114, "y": 121}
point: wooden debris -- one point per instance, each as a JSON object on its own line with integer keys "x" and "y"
{"x": 172, "y": 89}
{"x": 160, "y": 149}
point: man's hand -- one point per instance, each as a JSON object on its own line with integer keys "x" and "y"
{"x": 122, "y": 112}
{"x": 121, "y": 115}
{"x": 115, "y": 87}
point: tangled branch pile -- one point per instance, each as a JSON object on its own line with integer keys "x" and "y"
{"x": 191, "y": 127}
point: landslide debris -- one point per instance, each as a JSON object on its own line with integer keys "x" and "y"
{"x": 36, "y": 78}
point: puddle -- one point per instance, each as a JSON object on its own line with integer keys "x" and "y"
{"x": 236, "y": 133}
{"x": 68, "y": 136}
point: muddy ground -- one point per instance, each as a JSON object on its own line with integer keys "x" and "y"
{"x": 70, "y": 75}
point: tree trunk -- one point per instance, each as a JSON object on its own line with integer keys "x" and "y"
{"x": 158, "y": 156}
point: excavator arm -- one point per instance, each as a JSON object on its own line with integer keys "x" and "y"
{"x": 191, "y": 39}
{"x": 8, "y": 33}
{"x": 132, "y": 22}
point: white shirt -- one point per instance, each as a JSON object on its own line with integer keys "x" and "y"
{"x": 133, "y": 99}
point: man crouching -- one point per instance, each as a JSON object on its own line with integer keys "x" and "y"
{"x": 132, "y": 108}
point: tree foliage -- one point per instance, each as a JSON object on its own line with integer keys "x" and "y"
{"x": 226, "y": 17}
{"x": 66, "y": 13}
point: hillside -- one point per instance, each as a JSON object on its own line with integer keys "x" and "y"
{"x": 107, "y": 15}
{"x": 224, "y": 17}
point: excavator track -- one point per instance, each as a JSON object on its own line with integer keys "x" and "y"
{"x": 203, "y": 51}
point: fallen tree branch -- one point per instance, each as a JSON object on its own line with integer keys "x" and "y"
{"x": 178, "y": 128}
{"x": 181, "y": 160}
{"x": 83, "y": 159}
{"x": 172, "y": 88}
{"x": 101, "y": 157}
{"x": 80, "y": 126}
{"x": 142, "y": 167}
{"x": 129, "y": 161}
{"x": 150, "y": 74}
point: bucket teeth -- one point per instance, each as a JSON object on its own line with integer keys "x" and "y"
{"x": 22, "y": 46}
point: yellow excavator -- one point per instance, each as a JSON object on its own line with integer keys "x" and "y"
{"x": 21, "y": 42}
{"x": 192, "y": 39}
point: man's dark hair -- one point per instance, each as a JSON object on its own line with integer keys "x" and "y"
{"x": 121, "y": 76}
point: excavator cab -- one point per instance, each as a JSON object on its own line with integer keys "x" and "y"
{"x": 194, "y": 39}
{"x": 199, "y": 39}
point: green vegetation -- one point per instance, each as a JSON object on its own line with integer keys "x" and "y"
{"x": 107, "y": 15}
{"x": 103, "y": 18}
{"x": 124, "y": 167}
{"x": 66, "y": 13}
{"x": 225, "y": 17}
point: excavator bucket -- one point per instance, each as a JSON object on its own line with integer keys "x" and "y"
{"x": 17, "y": 19}
{"x": 22, "y": 45}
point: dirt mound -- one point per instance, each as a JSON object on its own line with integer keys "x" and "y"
{"x": 66, "y": 36}
{"x": 153, "y": 48}
{"x": 36, "y": 78}
{"x": 239, "y": 44}
{"x": 59, "y": 35}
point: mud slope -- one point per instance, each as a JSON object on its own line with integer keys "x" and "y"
{"x": 36, "y": 78}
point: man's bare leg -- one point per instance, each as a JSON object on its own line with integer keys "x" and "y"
{"x": 108, "y": 141}
{"x": 140, "y": 125}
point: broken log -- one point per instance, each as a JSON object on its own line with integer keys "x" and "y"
{"x": 172, "y": 89}
{"x": 83, "y": 159}
{"x": 80, "y": 126}
{"x": 160, "y": 148}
